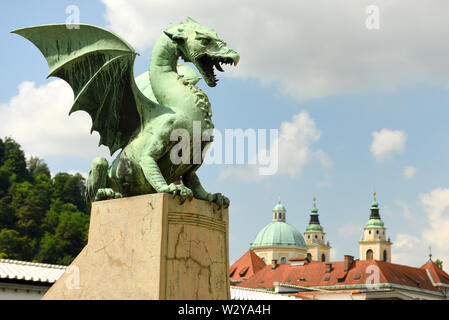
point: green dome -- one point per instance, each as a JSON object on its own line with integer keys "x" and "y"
{"x": 279, "y": 207}
{"x": 374, "y": 223}
{"x": 279, "y": 233}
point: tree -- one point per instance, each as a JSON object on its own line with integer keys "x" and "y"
{"x": 36, "y": 166}
{"x": 29, "y": 203}
{"x": 71, "y": 189}
{"x": 14, "y": 246}
{"x": 41, "y": 219}
{"x": 14, "y": 160}
{"x": 2, "y": 152}
{"x": 50, "y": 250}
{"x": 66, "y": 230}
{"x": 7, "y": 218}
{"x": 439, "y": 263}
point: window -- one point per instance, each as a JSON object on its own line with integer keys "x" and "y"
{"x": 316, "y": 237}
{"x": 377, "y": 231}
{"x": 283, "y": 260}
{"x": 327, "y": 278}
{"x": 369, "y": 254}
{"x": 308, "y": 237}
{"x": 309, "y": 256}
{"x": 385, "y": 255}
{"x": 323, "y": 258}
{"x": 357, "y": 277}
{"x": 370, "y": 232}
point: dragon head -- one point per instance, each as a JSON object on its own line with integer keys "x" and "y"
{"x": 202, "y": 46}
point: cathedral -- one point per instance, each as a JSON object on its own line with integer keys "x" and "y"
{"x": 281, "y": 241}
{"x": 283, "y": 260}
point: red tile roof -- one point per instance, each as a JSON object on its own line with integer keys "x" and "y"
{"x": 313, "y": 295}
{"x": 314, "y": 274}
{"x": 246, "y": 266}
{"x": 438, "y": 275}
{"x": 299, "y": 259}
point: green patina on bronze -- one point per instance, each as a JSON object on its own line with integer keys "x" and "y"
{"x": 138, "y": 115}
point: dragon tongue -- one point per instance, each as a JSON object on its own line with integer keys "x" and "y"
{"x": 217, "y": 65}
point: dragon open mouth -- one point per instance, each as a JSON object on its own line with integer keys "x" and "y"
{"x": 206, "y": 66}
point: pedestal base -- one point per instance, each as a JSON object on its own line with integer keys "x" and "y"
{"x": 150, "y": 247}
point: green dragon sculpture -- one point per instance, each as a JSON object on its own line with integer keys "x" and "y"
{"x": 138, "y": 115}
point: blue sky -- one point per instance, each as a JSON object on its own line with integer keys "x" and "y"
{"x": 305, "y": 57}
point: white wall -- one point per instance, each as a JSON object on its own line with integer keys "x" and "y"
{"x": 21, "y": 292}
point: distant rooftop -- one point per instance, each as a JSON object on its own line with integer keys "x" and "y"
{"x": 30, "y": 271}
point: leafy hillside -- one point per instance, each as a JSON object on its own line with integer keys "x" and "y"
{"x": 42, "y": 219}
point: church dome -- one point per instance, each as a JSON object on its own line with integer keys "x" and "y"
{"x": 279, "y": 233}
{"x": 279, "y": 207}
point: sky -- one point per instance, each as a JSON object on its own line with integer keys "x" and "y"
{"x": 358, "y": 91}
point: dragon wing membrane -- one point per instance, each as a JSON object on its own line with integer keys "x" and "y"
{"x": 98, "y": 65}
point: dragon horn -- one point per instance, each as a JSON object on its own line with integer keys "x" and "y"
{"x": 190, "y": 20}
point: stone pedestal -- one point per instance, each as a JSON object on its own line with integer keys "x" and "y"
{"x": 150, "y": 247}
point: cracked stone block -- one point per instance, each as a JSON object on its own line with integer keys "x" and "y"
{"x": 151, "y": 247}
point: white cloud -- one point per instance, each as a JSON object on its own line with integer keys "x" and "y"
{"x": 37, "y": 118}
{"x": 249, "y": 173}
{"x": 309, "y": 48}
{"x": 386, "y": 143}
{"x": 82, "y": 173}
{"x": 409, "y": 172}
{"x": 295, "y": 151}
{"x": 410, "y": 249}
{"x": 436, "y": 206}
{"x": 295, "y": 145}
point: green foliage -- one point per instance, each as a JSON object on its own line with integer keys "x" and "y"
{"x": 41, "y": 219}
{"x": 37, "y": 166}
{"x": 439, "y": 263}
{"x": 14, "y": 160}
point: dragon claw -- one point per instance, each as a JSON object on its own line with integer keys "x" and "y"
{"x": 106, "y": 194}
{"x": 180, "y": 190}
{"x": 219, "y": 199}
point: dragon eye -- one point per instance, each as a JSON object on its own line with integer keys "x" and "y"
{"x": 205, "y": 41}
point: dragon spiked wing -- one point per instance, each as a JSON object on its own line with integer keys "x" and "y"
{"x": 98, "y": 65}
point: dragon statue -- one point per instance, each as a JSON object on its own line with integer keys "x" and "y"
{"x": 138, "y": 115}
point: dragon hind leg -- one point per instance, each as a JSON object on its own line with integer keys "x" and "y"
{"x": 98, "y": 187}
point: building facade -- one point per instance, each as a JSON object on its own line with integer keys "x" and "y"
{"x": 317, "y": 248}
{"x": 374, "y": 244}
{"x": 280, "y": 260}
{"x": 279, "y": 241}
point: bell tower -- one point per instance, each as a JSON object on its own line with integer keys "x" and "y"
{"x": 317, "y": 248}
{"x": 373, "y": 243}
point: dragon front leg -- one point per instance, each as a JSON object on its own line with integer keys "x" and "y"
{"x": 154, "y": 176}
{"x": 192, "y": 181}
{"x": 98, "y": 187}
